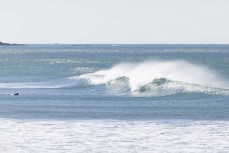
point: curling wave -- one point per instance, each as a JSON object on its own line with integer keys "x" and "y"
{"x": 149, "y": 78}
{"x": 158, "y": 78}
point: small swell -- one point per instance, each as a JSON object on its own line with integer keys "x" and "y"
{"x": 61, "y": 83}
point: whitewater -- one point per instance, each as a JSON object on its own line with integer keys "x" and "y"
{"x": 148, "y": 78}
{"x": 114, "y": 98}
{"x": 114, "y": 136}
{"x": 161, "y": 77}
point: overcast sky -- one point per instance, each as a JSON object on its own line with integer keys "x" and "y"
{"x": 114, "y": 21}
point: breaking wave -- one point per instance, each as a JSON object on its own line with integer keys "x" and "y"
{"x": 149, "y": 78}
{"x": 158, "y": 78}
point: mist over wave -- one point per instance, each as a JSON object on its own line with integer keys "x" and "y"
{"x": 148, "y": 78}
{"x": 160, "y": 78}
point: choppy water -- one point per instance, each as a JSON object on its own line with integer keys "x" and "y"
{"x": 134, "y": 90}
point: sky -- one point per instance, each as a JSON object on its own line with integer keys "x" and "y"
{"x": 115, "y": 21}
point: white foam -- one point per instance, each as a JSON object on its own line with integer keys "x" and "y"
{"x": 169, "y": 87}
{"x": 114, "y": 136}
{"x": 181, "y": 76}
{"x": 143, "y": 73}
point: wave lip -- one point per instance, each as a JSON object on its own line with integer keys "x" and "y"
{"x": 162, "y": 78}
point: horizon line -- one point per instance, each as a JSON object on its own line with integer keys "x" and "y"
{"x": 122, "y": 43}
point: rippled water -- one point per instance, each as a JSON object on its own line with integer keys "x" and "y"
{"x": 122, "y": 98}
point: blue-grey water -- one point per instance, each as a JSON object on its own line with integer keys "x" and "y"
{"x": 120, "y": 86}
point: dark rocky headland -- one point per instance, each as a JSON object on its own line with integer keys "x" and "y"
{"x": 9, "y": 44}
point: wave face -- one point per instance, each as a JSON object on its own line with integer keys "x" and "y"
{"x": 149, "y": 78}
{"x": 158, "y": 78}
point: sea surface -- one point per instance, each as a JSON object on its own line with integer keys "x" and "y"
{"x": 114, "y": 98}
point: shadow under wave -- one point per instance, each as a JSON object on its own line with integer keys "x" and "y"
{"x": 164, "y": 87}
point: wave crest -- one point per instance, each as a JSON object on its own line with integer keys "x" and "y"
{"x": 150, "y": 78}
{"x": 156, "y": 78}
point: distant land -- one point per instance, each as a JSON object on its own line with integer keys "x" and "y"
{"x": 9, "y": 44}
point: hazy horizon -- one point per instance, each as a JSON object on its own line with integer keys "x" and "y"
{"x": 114, "y": 22}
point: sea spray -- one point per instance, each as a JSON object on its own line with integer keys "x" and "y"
{"x": 178, "y": 76}
{"x": 148, "y": 78}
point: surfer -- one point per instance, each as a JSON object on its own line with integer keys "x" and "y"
{"x": 15, "y": 94}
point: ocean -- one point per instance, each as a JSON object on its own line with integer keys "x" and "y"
{"x": 114, "y": 98}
